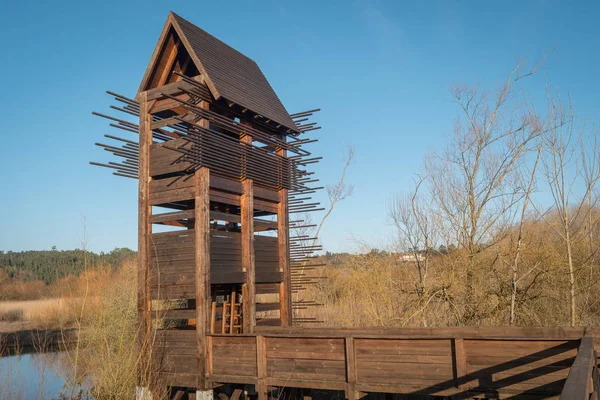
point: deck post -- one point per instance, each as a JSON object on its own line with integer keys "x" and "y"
{"x": 202, "y": 247}
{"x": 247, "y": 218}
{"x": 285, "y": 290}
{"x": 144, "y": 232}
{"x": 350, "y": 369}
{"x": 461, "y": 363}
{"x": 261, "y": 367}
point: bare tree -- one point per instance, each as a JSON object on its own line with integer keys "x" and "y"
{"x": 517, "y": 256}
{"x": 473, "y": 182}
{"x": 570, "y": 163}
{"x": 338, "y": 191}
{"x": 412, "y": 218}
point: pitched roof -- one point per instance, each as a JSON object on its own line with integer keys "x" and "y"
{"x": 229, "y": 74}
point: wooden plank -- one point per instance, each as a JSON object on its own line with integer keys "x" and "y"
{"x": 479, "y": 362}
{"x": 175, "y": 314}
{"x": 261, "y": 367}
{"x": 144, "y": 225}
{"x": 275, "y": 344}
{"x": 153, "y": 60}
{"x": 267, "y": 288}
{"x": 178, "y": 364}
{"x": 173, "y": 292}
{"x": 262, "y": 322}
{"x": 168, "y": 103}
{"x": 247, "y": 219}
{"x": 172, "y": 182}
{"x": 202, "y": 241}
{"x": 262, "y": 307}
{"x": 177, "y": 379}
{"x": 170, "y": 278}
{"x": 351, "y": 376}
{"x": 546, "y": 334}
{"x": 518, "y": 348}
{"x": 172, "y": 216}
{"x": 309, "y": 384}
{"x": 172, "y": 88}
{"x": 382, "y": 372}
{"x": 401, "y": 347}
{"x": 411, "y": 387}
{"x": 307, "y": 369}
{"x": 171, "y": 54}
{"x": 285, "y": 292}
{"x": 579, "y": 384}
{"x": 172, "y": 196}
{"x": 176, "y": 335}
{"x": 220, "y": 378}
{"x": 165, "y": 159}
{"x": 460, "y": 360}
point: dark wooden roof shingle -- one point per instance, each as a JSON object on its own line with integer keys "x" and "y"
{"x": 234, "y": 76}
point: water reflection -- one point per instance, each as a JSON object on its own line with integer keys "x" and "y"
{"x": 31, "y": 376}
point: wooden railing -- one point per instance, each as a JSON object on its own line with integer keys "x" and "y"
{"x": 583, "y": 381}
{"x": 443, "y": 362}
{"x": 460, "y": 362}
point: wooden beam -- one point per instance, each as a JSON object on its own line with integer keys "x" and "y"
{"x": 168, "y": 66}
{"x": 261, "y": 367}
{"x": 579, "y": 383}
{"x": 171, "y": 88}
{"x": 202, "y": 275}
{"x": 155, "y": 54}
{"x": 350, "y": 369}
{"x": 247, "y": 222}
{"x": 144, "y": 226}
{"x": 285, "y": 291}
{"x": 461, "y": 363}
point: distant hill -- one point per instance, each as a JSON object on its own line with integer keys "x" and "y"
{"x": 50, "y": 265}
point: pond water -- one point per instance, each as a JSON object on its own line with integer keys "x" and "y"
{"x": 31, "y": 376}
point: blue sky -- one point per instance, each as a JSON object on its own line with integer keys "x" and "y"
{"x": 379, "y": 70}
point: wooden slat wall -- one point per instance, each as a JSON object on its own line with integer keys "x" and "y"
{"x": 421, "y": 362}
{"x": 172, "y": 261}
{"x": 234, "y": 356}
{"x": 182, "y": 188}
{"x": 421, "y": 365}
{"x": 175, "y": 352}
{"x": 519, "y": 366}
{"x": 164, "y": 160}
{"x": 306, "y": 359}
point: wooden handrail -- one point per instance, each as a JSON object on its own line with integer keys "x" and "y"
{"x": 582, "y": 381}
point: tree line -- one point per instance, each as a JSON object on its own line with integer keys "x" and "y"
{"x": 50, "y": 265}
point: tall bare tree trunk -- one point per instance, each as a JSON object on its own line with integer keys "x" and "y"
{"x": 571, "y": 275}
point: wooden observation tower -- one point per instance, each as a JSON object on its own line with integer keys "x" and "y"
{"x": 221, "y": 167}
{"x": 221, "y": 163}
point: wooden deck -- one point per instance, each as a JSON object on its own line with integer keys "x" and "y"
{"x": 461, "y": 362}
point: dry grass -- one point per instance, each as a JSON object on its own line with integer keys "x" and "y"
{"x": 106, "y": 360}
{"x": 375, "y": 289}
{"x": 44, "y": 313}
{"x": 102, "y": 306}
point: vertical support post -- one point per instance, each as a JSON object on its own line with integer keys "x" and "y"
{"x": 350, "y": 369}
{"x": 144, "y": 227}
{"x": 461, "y": 363}
{"x": 261, "y": 367}
{"x": 247, "y": 211}
{"x": 283, "y": 223}
{"x": 202, "y": 247}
